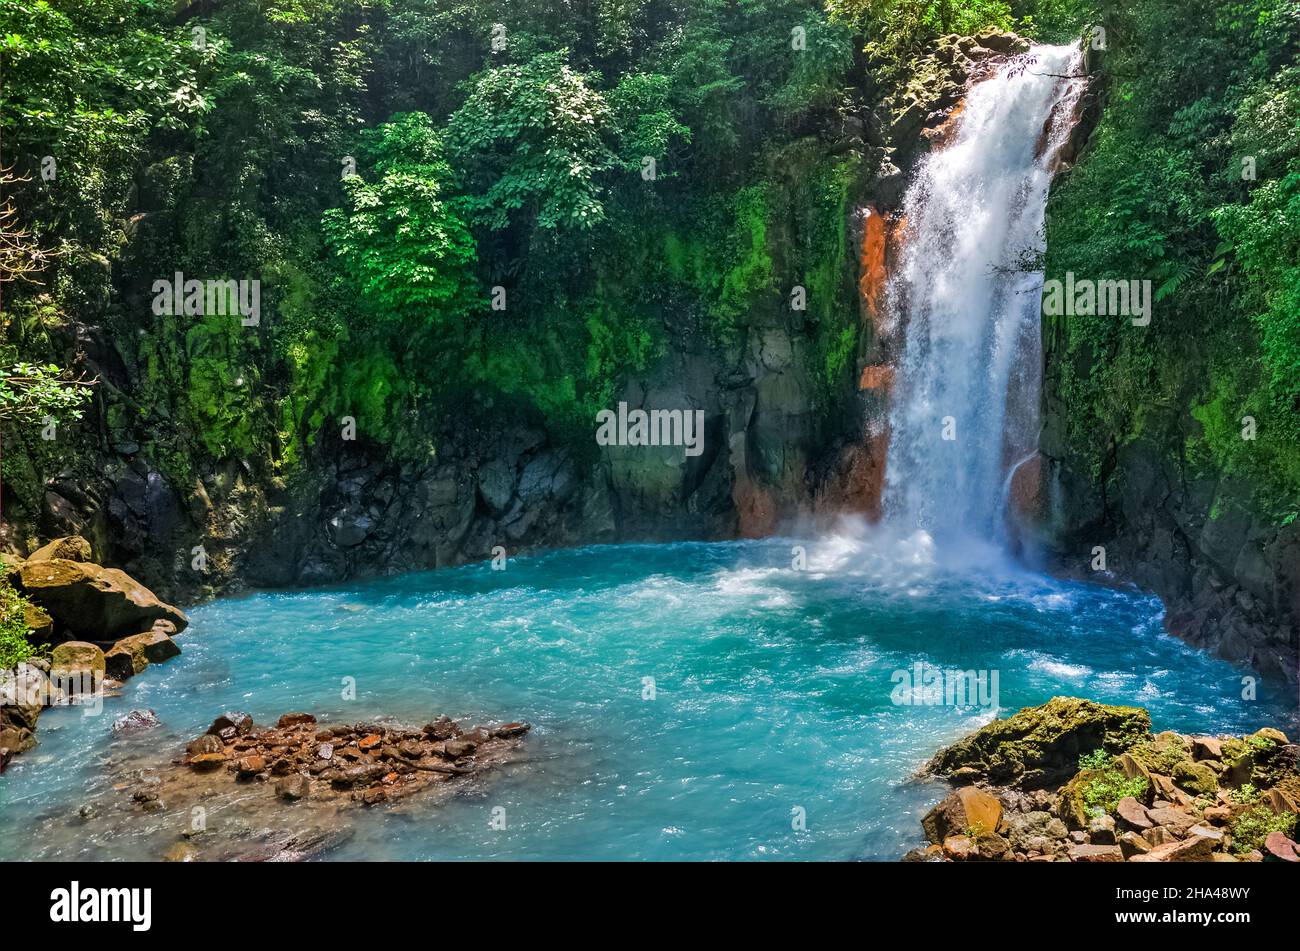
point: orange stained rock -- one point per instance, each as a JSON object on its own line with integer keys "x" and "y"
{"x": 872, "y": 259}
{"x": 942, "y": 134}
{"x": 879, "y": 377}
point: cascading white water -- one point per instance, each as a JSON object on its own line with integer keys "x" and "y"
{"x": 965, "y": 401}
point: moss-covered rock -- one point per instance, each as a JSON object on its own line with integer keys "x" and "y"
{"x": 1097, "y": 792}
{"x": 1041, "y": 745}
{"x": 1196, "y": 778}
{"x": 1262, "y": 759}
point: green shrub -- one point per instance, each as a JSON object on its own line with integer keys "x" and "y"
{"x": 1105, "y": 783}
{"x": 1245, "y": 795}
{"x": 1250, "y": 830}
{"x": 1097, "y": 759}
{"x": 14, "y": 645}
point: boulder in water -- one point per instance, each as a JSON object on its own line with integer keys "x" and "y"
{"x": 73, "y": 659}
{"x": 130, "y": 655}
{"x": 137, "y": 721}
{"x": 94, "y": 603}
{"x": 231, "y": 724}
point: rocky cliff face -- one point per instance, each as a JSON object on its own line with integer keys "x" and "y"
{"x": 775, "y": 422}
{"x": 1229, "y": 577}
{"x": 1227, "y": 572}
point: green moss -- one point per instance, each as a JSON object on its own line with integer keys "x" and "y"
{"x": 749, "y": 271}
{"x": 1043, "y": 740}
{"x": 1162, "y": 754}
{"x": 14, "y": 644}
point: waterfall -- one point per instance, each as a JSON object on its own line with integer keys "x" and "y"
{"x": 965, "y": 298}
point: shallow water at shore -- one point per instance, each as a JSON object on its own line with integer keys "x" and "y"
{"x": 773, "y": 691}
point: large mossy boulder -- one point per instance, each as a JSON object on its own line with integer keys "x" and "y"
{"x": 94, "y": 603}
{"x": 1040, "y": 746}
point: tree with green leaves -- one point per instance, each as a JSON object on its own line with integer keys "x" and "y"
{"x": 401, "y": 238}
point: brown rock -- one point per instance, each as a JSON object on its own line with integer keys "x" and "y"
{"x": 181, "y": 852}
{"x": 72, "y": 661}
{"x": 1095, "y": 853}
{"x": 94, "y": 603}
{"x": 1133, "y": 814}
{"x": 1280, "y": 802}
{"x": 508, "y": 730}
{"x": 207, "y": 743}
{"x": 68, "y": 548}
{"x": 993, "y": 847}
{"x": 1206, "y": 747}
{"x": 131, "y": 655}
{"x": 460, "y": 746}
{"x": 1101, "y": 830}
{"x": 231, "y": 724}
{"x": 1159, "y": 835}
{"x": 1131, "y": 768}
{"x": 1278, "y": 846}
{"x": 964, "y": 810}
{"x": 1196, "y": 848}
{"x": 1163, "y": 787}
{"x": 1175, "y": 819}
{"x": 1131, "y": 844}
{"x": 1217, "y": 815}
{"x": 443, "y": 728}
{"x": 958, "y": 847}
{"x": 295, "y": 786}
{"x": 369, "y": 742}
{"x": 294, "y": 719}
{"x": 250, "y": 765}
{"x": 39, "y": 623}
{"x": 206, "y": 761}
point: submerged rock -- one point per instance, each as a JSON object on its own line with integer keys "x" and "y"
{"x": 137, "y": 721}
{"x": 364, "y": 763}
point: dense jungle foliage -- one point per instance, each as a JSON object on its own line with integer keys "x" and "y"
{"x": 451, "y": 205}
{"x": 1193, "y": 180}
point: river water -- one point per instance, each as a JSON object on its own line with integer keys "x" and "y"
{"x": 774, "y": 691}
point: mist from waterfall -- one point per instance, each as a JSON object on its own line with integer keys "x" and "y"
{"x": 965, "y": 299}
